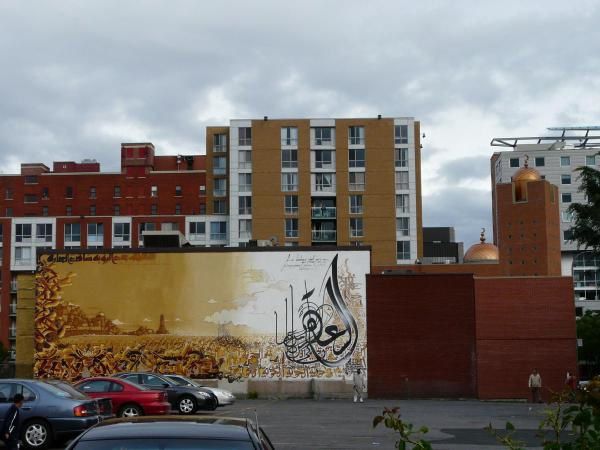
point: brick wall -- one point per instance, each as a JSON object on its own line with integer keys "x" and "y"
{"x": 421, "y": 335}
{"x": 522, "y": 323}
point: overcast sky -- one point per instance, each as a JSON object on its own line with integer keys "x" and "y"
{"x": 78, "y": 78}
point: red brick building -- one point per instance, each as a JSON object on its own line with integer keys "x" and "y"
{"x": 75, "y": 205}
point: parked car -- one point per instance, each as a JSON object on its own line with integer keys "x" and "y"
{"x": 171, "y": 432}
{"x": 185, "y": 399}
{"x": 105, "y": 405}
{"x": 224, "y": 397}
{"x": 128, "y": 399}
{"x": 48, "y": 413}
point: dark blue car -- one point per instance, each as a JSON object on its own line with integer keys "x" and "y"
{"x": 49, "y": 413}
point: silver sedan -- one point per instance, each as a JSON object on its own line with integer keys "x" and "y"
{"x": 223, "y": 396}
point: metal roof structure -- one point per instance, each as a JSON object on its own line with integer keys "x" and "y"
{"x": 577, "y": 137}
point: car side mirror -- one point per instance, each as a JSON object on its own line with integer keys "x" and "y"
{"x": 166, "y": 385}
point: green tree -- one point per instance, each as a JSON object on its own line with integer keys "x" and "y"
{"x": 588, "y": 329}
{"x": 586, "y": 216}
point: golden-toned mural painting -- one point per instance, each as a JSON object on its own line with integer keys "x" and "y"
{"x": 226, "y": 315}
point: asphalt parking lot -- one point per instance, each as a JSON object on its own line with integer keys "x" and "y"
{"x": 341, "y": 424}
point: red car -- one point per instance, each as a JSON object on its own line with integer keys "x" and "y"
{"x": 128, "y": 399}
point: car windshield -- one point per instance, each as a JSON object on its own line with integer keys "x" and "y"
{"x": 70, "y": 389}
{"x": 164, "y": 444}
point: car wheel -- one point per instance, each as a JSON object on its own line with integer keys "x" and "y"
{"x": 186, "y": 405}
{"x": 37, "y": 434}
{"x": 130, "y": 411}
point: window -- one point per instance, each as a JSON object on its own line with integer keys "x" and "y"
{"x": 245, "y": 159}
{"x": 96, "y": 386}
{"x": 9, "y": 212}
{"x": 289, "y": 158}
{"x": 289, "y": 136}
{"x": 244, "y": 136}
{"x": 566, "y": 216}
{"x": 291, "y": 228}
{"x": 169, "y": 226}
{"x": 245, "y": 205}
{"x": 93, "y": 192}
{"x": 356, "y": 135}
{"x": 43, "y": 232}
{"x": 219, "y": 143}
{"x": 45, "y": 211}
{"x": 220, "y": 187}
{"x": 8, "y": 194}
{"x": 197, "y": 230}
{"x": 356, "y": 227}
{"x": 177, "y": 209}
{"x": 401, "y": 181}
{"x": 324, "y": 182}
{"x": 540, "y": 161}
{"x": 401, "y": 157}
{"x": 31, "y": 198}
{"x": 92, "y": 210}
{"x": 324, "y": 159}
{"x": 324, "y": 136}
{"x": 218, "y": 231}
{"x": 245, "y": 182}
{"x": 153, "y": 191}
{"x": 590, "y": 160}
{"x": 95, "y": 234}
{"x": 356, "y": 204}
{"x": 356, "y": 157}
{"x": 72, "y": 232}
{"x": 356, "y": 181}
{"x": 23, "y": 232}
{"x": 154, "y": 209}
{"x": 117, "y": 191}
{"x": 45, "y": 193}
{"x": 22, "y": 255}
{"x": 565, "y": 161}
{"x": 401, "y": 134}
{"x": 567, "y": 235}
{"x": 152, "y": 380}
{"x": 565, "y": 179}
{"x": 202, "y": 209}
{"x": 121, "y": 232}
{"x": 566, "y": 197}
{"x": 219, "y": 165}
{"x": 402, "y": 204}
{"x": 289, "y": 182}
{"x": 402, "y": 226}
{"x": 514, "y": 162}
{"x": 178, "y": 191}
{"x": 30, "y": 179}
{"x": 245, "y": 229}
{"x": 291, "y": 204}
{"x": 69, "y": 192}
{"x": 403, "y": 250}
{"x": 219, "y": 207}
{"x": 69, "y": 210}
{"x": 116, "y": 210}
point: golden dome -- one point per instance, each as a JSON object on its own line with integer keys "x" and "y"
{"x": 526, "y": 173}
{"x": 482, "y": 252}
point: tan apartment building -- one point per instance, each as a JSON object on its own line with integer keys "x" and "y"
{"x": 318, "y": 182}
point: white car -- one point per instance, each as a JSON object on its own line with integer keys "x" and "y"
{"x": 223, "y": 396}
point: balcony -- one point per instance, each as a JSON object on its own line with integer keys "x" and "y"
{"x": 218, "y": 236}
{"x": 324, "y": 236}
{"x": 324, "y": 212}
{"x": 219, "y": 193}
{"x": 12, "y": 332}
{"x": 13, "y": 286}
{"x": 219, "y": 148}
{"x": 12, "y": 310}
{"x": 245, "y": 211}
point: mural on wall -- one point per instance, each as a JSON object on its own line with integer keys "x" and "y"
{"x": 231, "y": 315}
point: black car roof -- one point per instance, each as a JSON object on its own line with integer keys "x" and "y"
{"x": 206, "y": 427}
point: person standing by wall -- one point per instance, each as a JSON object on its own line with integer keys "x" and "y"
{"x": 359, "y": 385}
{"x": 12, "y": 429}
{"x": 535, "y": 384}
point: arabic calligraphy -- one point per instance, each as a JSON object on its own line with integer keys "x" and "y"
{"x": 329, "y": 332}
